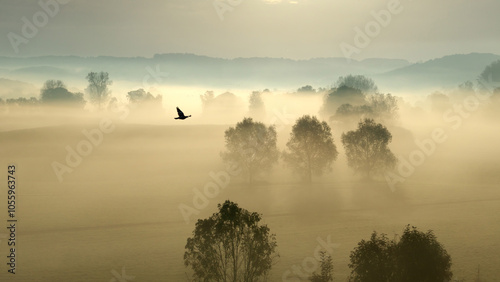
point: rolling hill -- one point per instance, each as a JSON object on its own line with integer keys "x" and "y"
{"x": 253, "y": 73}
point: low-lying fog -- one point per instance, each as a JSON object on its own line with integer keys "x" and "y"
{"x": 117, "y": 205}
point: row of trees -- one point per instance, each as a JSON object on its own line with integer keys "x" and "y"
{"x": 232, "y": 245}
{"x": 56, "y": 93}
{"x": 310, "y": 150}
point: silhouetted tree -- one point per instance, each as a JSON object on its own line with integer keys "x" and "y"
{"x": 251, "y": 146}
{"x": 377, "y": 106}
{"x": 326, "y": 269}
{"x": 489, "y": 79}
{"x": 22, "y": 102}
{"x": 113, "y": 104}
{"x": 360, "y": 82}
{"x": 311, "y": 148}
{"x": 415, "y": 257}
{"x": 366, "y": 148}
{"x": 144, "y": 102}
{"x": 3, "y": 107}
{"x": 383, "y": 106}
{"x": 306, "y": 89}
{"x": 439, "y": 102}
{"x": 462, "y": 91}
{"x": 373, "y": 260}
{"x": 53, "y": 84}
{"x": 256, "y": 108}
{"x": 206, "y": 99}
{"x": 98, "y": 87}
{"x": 221, "y": 107}
{"x": 54, "y": 92}
{"x": 231, "y": 245}
{"x": 420, "y": 257}
{"x": 341, "y": 95}
{"x": 348, "y": 113}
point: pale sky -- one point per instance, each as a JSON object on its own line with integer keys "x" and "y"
{"x": 297, "y": 29}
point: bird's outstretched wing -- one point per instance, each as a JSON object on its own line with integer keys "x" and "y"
{"x": 179, "y": 112}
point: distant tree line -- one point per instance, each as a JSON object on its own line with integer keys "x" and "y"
{"x": 55, "y": 93}
{"x": 350, "y": 99}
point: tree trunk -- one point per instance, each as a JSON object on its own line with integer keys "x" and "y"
{"x": 309, "y": 171}
{"x": 250, "y": 176}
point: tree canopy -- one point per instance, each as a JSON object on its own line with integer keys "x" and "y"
{"x": 360, "y": 82}
{"x": 326, "y": 272}
{"x": 222, "y": 107}
{"x": 231, "y": 245}
{"x": 310, "y": 148}
{"x": 383, "y": 106}
{"x": 439, "y": 102}
{"x": 251, "y": 146}
{"x": 54, "y": 92}
{"x": 489, "y": 79}
{"x": 256, "y": 108}
{"x": 376, "y": 106}
{"x": 417, "y": 256}
{"x": 339, "y": 96}
{"x": 367, "y": 148}
{"x": 373, "y": 260}
{"x": 98, "y": 87}
{"x": 144, "y": 102}
{"x": 306, "y": 89}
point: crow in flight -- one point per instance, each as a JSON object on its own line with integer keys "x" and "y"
{"x": 181, "y": 114}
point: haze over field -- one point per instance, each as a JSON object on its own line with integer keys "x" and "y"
{"x": 330, "y": 120}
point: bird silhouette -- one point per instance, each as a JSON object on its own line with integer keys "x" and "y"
{"x": 181, "y": 114}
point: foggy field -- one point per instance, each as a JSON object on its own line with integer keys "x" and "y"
{"x": 250, "y": 141}
{"x": 119, "y": 208}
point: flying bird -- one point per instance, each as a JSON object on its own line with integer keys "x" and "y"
{"x": 181, "y": 114}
